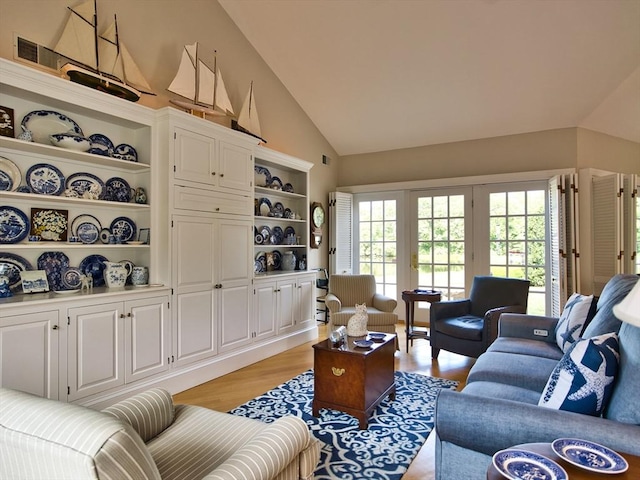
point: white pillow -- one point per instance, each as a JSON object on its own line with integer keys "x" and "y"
{"x": 571, "y": 322}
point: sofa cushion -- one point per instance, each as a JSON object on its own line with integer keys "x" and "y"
{"x": 583, "y": 380}
{"x": 614, "y": 291}
{"x": 526, "y": 346}
{"x": 467, "y": 327}
{"x": 623, "y": 405}
{"x": 573, "y": 319}
{"x": 149, "y": 413}
{"x": 524, "y": 371}
{"x": 500, "y": 390}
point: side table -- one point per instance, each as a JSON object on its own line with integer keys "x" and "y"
{"x": 574, "y": 473}
{"x": 351, "y": 379}
{"x": 410, "y": 297}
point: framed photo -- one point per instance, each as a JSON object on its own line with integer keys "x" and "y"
{"x": 144, "y": 236}
{"x": 50, "y": 224}
{"x": 7, "y": 126}
{"x": 34, "y": 281}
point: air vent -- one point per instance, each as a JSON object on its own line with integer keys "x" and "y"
{"x": 29, "y": 51}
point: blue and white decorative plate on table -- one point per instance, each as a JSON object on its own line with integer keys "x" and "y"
{"x": 590, "y": 456}
{"x": 101, "y": 145}
{"x": 53, "y": 263}
{"x": 516, "y": 464}
{"x": 125, "y": 152}
{"x": 124, "y": 229}
{"x": 45, "y": 179}
{"x": 11, "y": 265}
{"x": 43, "y": 123}
{"x": 84, "y": 182}
{"x": 94, "y": 265}
{"x": 14, "y": 225}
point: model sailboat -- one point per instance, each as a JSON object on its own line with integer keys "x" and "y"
{"x": 203, "y": 87}
{"x": 248, "y": 121}
{"x": 100, "y": 61}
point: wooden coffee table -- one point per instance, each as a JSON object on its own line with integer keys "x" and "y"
{"x": 351, "y": 379}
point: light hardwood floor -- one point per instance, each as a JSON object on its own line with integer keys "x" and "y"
{"x": 229, "y": 391}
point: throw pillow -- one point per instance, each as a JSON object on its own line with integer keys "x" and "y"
{"x": 582, "y": 381}
{"x": 572, "y": 321}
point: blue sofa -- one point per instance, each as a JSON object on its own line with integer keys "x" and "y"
{"x": 498, "y": 408}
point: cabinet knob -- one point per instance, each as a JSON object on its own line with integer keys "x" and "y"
{"x": 55, "y": 327}
{"x": 222, "y": 175}
{"x": 213, "y": 173}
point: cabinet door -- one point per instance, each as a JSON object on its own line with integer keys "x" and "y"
{"x": 286, "y": 305}
{"x": 195, "y": 157}
{"x": 95, "y": 349}
{"x": 306, "y": 301}
{"x": 235, "y": 316}
{"x": 194, "y": 331}
{"x": 264, "y": 306}
{"x": 236, "y": 167}
{"x": 29, "y": 353}
{"x": 147, "y": 337}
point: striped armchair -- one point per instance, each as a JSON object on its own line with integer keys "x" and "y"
{"x": 345, "y": 291}
{"x": 147, "y": 437}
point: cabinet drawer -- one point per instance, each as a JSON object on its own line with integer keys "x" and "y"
{"x": 189, "y": 198}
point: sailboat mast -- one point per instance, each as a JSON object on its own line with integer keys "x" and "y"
{"x": 250, "y": 98}
{"x": 197, "y": 67}
{"x": 95, "y": 32}
{"x": 215, "y": 77}
{"x": 115, "y": 21}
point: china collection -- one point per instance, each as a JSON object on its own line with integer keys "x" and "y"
{"x": 515, "y": 463}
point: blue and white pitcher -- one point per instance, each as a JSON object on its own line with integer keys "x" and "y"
{"x": 115, "y": 274}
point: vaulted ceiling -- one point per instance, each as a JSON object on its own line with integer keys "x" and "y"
{"x": 376, "y": 75}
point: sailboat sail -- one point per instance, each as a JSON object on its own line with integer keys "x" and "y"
{"x": 103, "y": 56}
{"x": 203, "y": 86}
{"x": 248, "y": 118}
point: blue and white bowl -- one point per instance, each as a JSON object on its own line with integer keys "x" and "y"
{"x": 70, "y": 141}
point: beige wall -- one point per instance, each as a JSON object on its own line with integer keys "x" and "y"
{"x": 546, "y": 150}
{"x": 155, "y": 32}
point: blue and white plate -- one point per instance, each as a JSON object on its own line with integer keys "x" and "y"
{"x": 277, "y": 259}
{"x": 87, "y": 232}
{"x": 264, "y": 207}
{"x": 11, "y": 265}
{"x": 94, "y": 265}
{"x": 53, "y": 263}
{"x": 45, "y": 179}
{"x": 71, "y": 278}
{"x": 363, "y": 343}
{"x": 43, "y": 123}
{"x": 265, "y": 231}
{"x": 260, "y": 264}
{"x": 262, "y": 176}
{"x": 289, "y": 231}
{"x": 10, "y": 176}
{"x": 275, "y": 183}
{"x": 125, "y": 152}
{"x": 14, "y": 225}
{"x": 377, "y": 335}
{"x": 84, "y": 182}
{"x": 118, "y": 190}
{"x": 287, "y": 187}
{"x": 517, "y": 464}
{"x": 278, "y": 210}
{"x": 590, "y": 456}
{"x": 101, "y": 145}
{"x": 277, "y": 236}
{"x": 124, "y": 229}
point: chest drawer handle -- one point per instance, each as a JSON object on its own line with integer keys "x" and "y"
{"x": 337, "y": 371}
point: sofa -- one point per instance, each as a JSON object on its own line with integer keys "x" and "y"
{"x": 347, "y": 291}
{"x": 498, "y": 407}
{"x": 147, "y": 437}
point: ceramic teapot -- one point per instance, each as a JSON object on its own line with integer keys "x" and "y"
{"x": 115, "y": 273}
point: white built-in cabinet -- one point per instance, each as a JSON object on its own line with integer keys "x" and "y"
{"x": 207, "y": 310}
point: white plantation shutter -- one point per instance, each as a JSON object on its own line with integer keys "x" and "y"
{"x": 572, "y": 239}
{"x": 340, "y": 232}
{"x": 629, "y": 219}
{"x": 606, "y": 220}
{"x": 556, "y": 217}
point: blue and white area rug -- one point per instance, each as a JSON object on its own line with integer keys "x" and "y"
{"x": 397, "y": 429}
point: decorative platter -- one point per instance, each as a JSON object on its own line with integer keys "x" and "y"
{"x": 118, "y": 190}
{"x": 71, "y": 278}
{"x": 262, "y": 176}
{"x": 517, "y": 464}
{"x": 86, "y": 182}
{"x": 276, "y": 183}
{"x": 84, "y": 218}
{"x": 289, "y": 231}
{"x": 94, "y": 265}
{"x": 125, "y": 152}
{"x": 260, "y": 264}
{"x": 14, "y": 225}
{"x": 264, "y": 207}
{"x": 277, "y": 259}
{"x": 11, "y": 265}
{"x": 266, "y": 234}
{"x": 101, "y": 145}
{"x": 363, "y": 343}
{"x": 10, "y": 176}
{"x": 124, "y": 229}
{"x": 278, "y": 210}
{"x": 70, "y": 141}
{"x": 288, "y": 213}
{"x": 45, "y": 179}
{"x": 87, "y": 232}
{"x": 590, "y": 456}
{"x": 53, "y": 263}
{"x": 43, "y": 123}
{"x": 277, "y": 236}
{"x": 287, "y": 187}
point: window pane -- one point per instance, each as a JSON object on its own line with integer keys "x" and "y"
{"x": 440, "y": 207}
{"x": 425, "y": 231}
{"x": 424, "y": 207}
{"x": 441, "y": 229}
{"x": 536, "y": 202}
{"x": 516, "y": 204}
{"x": 365, "y": 232}
{"x": 456, "y": 206}
{"x": 390, "y": 210}
{"x": 364, "y": 211}
{"x": 390, "y": 231}
{"x": 498, "y": 228}
{"x": 377, "y": 209}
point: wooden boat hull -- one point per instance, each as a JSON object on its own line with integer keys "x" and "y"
{"x": 99, "y": 82}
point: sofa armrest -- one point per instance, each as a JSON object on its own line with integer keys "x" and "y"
{"x": 383, "y": 303}
{"x": 488, "y": 425}
{"x": 268, "y": 453}
{"x": 492, "y": 317}
{"x": 333, "y": 303}
{"x": 524, "y": 326}
{"x": 449, "y": 309}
